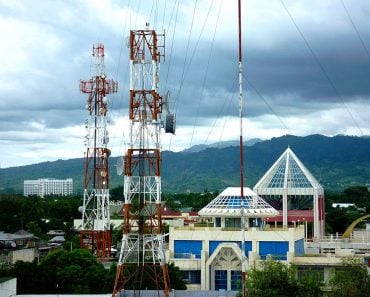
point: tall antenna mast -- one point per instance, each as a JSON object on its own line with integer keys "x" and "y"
{"x": 244, "y": 268}
{"x": 142, "y": 255}
{"x": 95, "y": 234}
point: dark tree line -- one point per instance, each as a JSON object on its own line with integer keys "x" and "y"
{"x": 39, "y": 215}
{"x": 338, "y": 219}
{"x": 72, "y": 272}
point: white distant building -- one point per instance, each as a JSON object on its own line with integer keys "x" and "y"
{"x": 48, "y": 186}
{"x": 343, "y": 205}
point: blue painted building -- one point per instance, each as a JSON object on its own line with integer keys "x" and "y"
{"x": 210, "y": 258}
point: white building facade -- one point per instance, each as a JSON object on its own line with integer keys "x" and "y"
{"x": 211, "y": 257}
{"x": 209, "y": 252}
{"x": 48, "y": 186}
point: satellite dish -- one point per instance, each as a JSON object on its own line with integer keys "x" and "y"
{"x": 119, "y": 166}
{"x": 165, "y": 102}
{"x": 169, "y": 119}
{"x": 170, "y": 123}
{"x": 81, "y": 209}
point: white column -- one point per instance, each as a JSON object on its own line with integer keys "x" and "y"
{"x": 316, "y": 223}
{"x": 285, "y": 207}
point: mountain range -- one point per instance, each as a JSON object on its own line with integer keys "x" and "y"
{"x": 336, "y": 162}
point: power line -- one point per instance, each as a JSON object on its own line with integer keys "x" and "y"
{"x": 164, "y": 14}
{"x": 321, "y": 67}
{"x": 229, "y": 100}
{"x": 173, "y": 38}
{"x": 137, "y": 13}
{"x": 184, "y": 74}
{"x": 267, "y": 104}
{"x": 206, "y": 73}
{"x": 120, "y": 104}
{"x": 175, "y": 4}
{"x": 226, "y": 119}
{"x": 355, "y": 28}
{"x": 198, "y": 39}
{"x": 186, "y": 56}
{"x": 154, "y": 11}
{"x": 184, "y": 65}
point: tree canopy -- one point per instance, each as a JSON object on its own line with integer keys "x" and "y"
{"x": 276, "y": 279}
{"x": 74, "y": 272}
{"x": 351, "y": 280}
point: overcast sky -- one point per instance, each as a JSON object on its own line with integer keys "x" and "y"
{"x": 306, "y": 70}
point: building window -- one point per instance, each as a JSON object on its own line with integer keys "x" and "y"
{"x": 275, "y": 250}
{"x": 191, "y": 276}
{"x": 232, "y": 222}
{"x": 218, "y": 222}
{"x": 42, "y": 187}
{"x": 317, "y": 273}
{"x": 213, "y": 244}
{"x": 186, "y": 249}
{"x": 299, "y": 247}
{"x": 220, "y": 279}
{"x": 236, "y": 278}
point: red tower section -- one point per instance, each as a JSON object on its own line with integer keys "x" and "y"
{"x": 142, "y": 262}
{"x": 95, "y": 234}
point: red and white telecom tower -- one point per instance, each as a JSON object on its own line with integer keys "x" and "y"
{"x": 95, "y": 233}
{"x": 142, "y": 256}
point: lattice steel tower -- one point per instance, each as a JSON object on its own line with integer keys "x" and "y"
{"x": 95, "y": 233}
{"x": 142, "y": 257}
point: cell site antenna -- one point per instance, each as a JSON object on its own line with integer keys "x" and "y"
{"x": 95, "y": 234}
{"x": 142, "y": 263}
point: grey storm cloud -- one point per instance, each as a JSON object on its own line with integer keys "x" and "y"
{"x": 298, "y": 58}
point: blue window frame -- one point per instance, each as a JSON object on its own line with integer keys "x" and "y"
{"x": 191, "y": 276}
{"x": 236, "y": 277}
{"x": 213, "y": 244}
{"x": 183, "y": 249}
{"x": 277, "y": 249}
{"x": 299, "y": 247}
{"x": 220, "y": 279}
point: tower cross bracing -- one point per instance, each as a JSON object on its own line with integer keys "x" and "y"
{"x": 95, "y": 234}
{"x": 142, "y": 251}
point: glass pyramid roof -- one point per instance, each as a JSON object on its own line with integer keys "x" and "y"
{"x": 227, "y": 204}
{"x": 287, "y": 172}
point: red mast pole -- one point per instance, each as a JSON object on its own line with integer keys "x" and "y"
{"x": 244, "y": 292}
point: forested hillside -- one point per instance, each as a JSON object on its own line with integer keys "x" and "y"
{"x": 337, "y": 162}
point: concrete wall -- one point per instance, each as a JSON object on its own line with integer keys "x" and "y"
{"x": 25, "y": 255}
{"x": 8, "y": 288}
